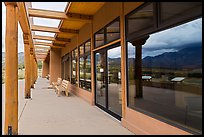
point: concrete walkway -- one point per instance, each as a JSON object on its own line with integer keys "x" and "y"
{"x": 48, "y": 114}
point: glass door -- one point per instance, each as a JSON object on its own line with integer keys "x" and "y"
{"x": 100, "y": 66}
{"x": 108, "y": 80}
{"x": 114, "y": 80}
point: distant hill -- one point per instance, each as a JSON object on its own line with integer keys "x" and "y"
{"x": 20, "y": 59}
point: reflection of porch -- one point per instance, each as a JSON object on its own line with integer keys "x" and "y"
{"x": 48, "y": 114}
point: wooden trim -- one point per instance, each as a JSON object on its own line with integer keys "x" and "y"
{"x": 92, "y": 66}
{"x": 106, "y": 45}
{"x": 123, "y": 59}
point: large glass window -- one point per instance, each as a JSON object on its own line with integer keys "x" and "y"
{"x": 141, "y": 20}
{"x": 85, "y": 66}
{"x": 108, "y": 34}
{"x": 165, "y": 75}
{"x": 177, "y": 11}
{"x": 65, "y": 72}
{"x": 74, "y": 66}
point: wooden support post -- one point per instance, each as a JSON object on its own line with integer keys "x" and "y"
{"x": 11, "y": 78}
{"x": 55, "y": 64}
{"x": 92, "y": 66}
{"x": 31, "y": 68}
{"x": 123, "y": 60}
{"x": 45, "y": 69}
{"x": 27, "y": 66}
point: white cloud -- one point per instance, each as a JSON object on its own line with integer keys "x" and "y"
{"x": 172, "y": 38}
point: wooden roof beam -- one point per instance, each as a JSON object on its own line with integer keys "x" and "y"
{"x": 43, "y": 37}
{"x": 63, "y": 39}
{"x": 50, "y": 44}
{"x": 42, "y": 43}
{"x": 59, "y": 15}
{"x": 52, "y": 29}
{"x": 51, "y": 38}
{"x": 45, "y": 29}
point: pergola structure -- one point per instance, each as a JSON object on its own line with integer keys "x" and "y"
{"x": 79, "y": 22}
{"x": 71, "y": 20}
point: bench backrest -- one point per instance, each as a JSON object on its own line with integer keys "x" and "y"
{"x": 65, "y": 84}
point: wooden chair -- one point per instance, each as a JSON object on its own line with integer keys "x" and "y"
{"x": 63, "y": 88}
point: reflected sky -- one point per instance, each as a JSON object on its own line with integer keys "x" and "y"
{"x": 171, "y": 40}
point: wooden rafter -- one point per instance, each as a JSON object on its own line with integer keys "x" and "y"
{"x": 59, "y": 15}
{"x": 44, "y": 28}
{"x": 43, "y": 37}
{"x": 50, "y": 44}
{"x": 63, "y": 39}
{"x": 43, "y": 43}
{"x": 53, "y": 30}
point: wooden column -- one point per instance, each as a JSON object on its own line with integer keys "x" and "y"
{"x": 27, "y": 66}
{"x": 92, "y": 66}
{"x": 31, "y": 68}
{"x": 123, "y": 60}
{"x": 138, "y": 65}
{"x": 11, "y": 74}
{"x": 55, "y": 64}
{"x": 45, "y": 69}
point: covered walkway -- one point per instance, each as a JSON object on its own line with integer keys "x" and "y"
{"x": 48, "y": 114}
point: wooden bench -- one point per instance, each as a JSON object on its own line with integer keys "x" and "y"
{"x": 54, "y": 84}
{"x": 48, "y": 76}
{"x": 63, "y": 88}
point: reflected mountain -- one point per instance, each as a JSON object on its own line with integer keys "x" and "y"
{"x": 186, "y": 58}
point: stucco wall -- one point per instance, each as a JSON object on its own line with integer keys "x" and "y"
{"x": 55, "y": 64}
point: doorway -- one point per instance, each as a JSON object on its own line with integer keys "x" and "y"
{"x": 108, "y": 80}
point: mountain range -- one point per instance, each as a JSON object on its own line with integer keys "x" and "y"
{"x": 20, "y": 59}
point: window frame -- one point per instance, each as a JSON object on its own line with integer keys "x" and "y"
{"x": 105, "y": 32}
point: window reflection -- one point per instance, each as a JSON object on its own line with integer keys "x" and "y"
{"x": 141, "y": 20}
{"x": 74, "y": 67}
{"x": 113, "y": 31}
{"x": 99, "y": 38}
{"x": 85, "y": 66}
{"x": 108, "y": 34}
{"x": 165, "y": 75}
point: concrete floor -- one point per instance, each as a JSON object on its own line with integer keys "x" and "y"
{"x": 47, "y": 114}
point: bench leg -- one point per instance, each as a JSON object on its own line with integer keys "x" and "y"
{"x": 58, "y": 93}
{"x": 66, "y": 92}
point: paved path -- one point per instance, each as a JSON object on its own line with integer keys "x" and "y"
{"x": 48, "y": 114}
{"x": 21, "y": 101}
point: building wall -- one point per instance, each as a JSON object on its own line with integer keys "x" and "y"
{"x": 55, "y": 64}
{"x": 136, "y": 122}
